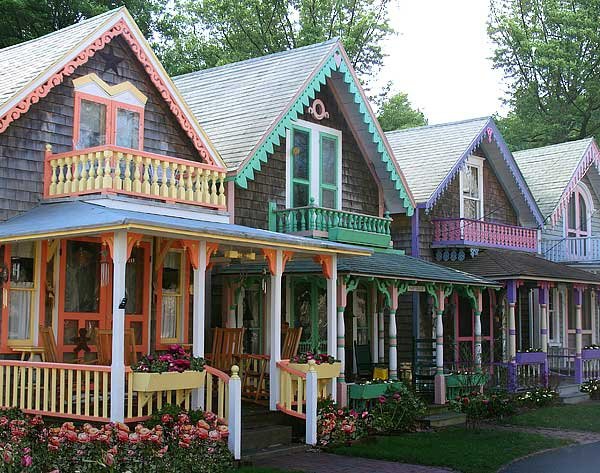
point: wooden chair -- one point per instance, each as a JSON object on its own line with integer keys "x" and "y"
{"x": 227, "y": 347}
{"x": 49, "y": 344}
{"x": 104, "y": 347}
{"x": 291, "y": 342}
{"x": 364, "y": 360}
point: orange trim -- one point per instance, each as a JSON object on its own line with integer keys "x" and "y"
{"x": 211, "y": 249}
{"x": 133, "y": 239}
{"x": 42, "y": 284}
{"x": 271, "y": 256}
{"x": 163, "y": 247}
{"x": 5, "y": 302}
{"x": 120, "y": 28}
{"x": 79, "y": 96}
{"x": 326, "y": 262}
{"x": 108, "y": 239}
{"x": 192, "y": 248}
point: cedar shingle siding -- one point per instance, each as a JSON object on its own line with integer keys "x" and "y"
{"x": 359, "y": 189}
{"x": 50, "y": 121}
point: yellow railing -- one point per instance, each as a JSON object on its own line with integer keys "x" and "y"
{"x": 292, "y": 390}
{"x": 56, "y": 389}
{"x": 111, "y": 169}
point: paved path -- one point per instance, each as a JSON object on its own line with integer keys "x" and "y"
{"x": 576, "y": 436}
{"x": 315, "y": 462}
{"x": 582, "y": 458}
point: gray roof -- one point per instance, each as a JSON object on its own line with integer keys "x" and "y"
{"x": 427, "y": 154}
{"x": 237, "y": 103}
{"x": 25, "y": 62}
{"x": 380, "y": 264}
{"x": 86, "y": 218}
{"x": 548, "y": 170}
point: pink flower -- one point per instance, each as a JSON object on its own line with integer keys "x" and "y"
{"x": 109, "y": 459}
{"x": 26, "y": 461}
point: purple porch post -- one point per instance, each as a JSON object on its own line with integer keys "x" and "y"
{"x": 543, "y": 299}
{"x": 511, "y": 295}
{"x": 578, "y": 296}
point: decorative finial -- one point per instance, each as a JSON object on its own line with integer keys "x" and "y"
{"x": 311, "y": 365}
{"x": 235, "y": 369}
{"x": 48, "y": 148}
{"x": 311, "y": 202}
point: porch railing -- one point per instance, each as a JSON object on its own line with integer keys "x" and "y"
{"x": 464, "y": 231}
{"x": 561, "y": 361}
{"x": 111, "y": 169}
{"x": 376, "y": 230}
{"x": 589, "y": 366}
{"x": 571, "y": 249}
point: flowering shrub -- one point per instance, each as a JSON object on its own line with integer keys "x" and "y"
{"x": 592, "y": 387}
{"x": 531, "y": 350}
{"x": 29, "y": 445}
{"x": 592, "y": 347}
{"x": 339, "y": 426}
{"x": 537, "y": 398}
{"x": 480, "y": 406}
{"x": 398, "y": 410}
{"x": 175, "y": 360}
{"x": 319, "y": 358}
{"x": 376, "y": 381}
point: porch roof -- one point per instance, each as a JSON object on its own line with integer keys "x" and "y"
{"x": 380, "y": 264}
{"x": 75, "y": 217}
{"x": 510, "y": 264}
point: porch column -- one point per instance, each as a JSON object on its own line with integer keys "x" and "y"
{"x": 199, "y": 315}
{"x": 117, "y": 368}
{"x": 381, "y": 333}
{"x": 393, "y": 340}
{"x": 440, "y": 380}
{"x": 374, "y": 325}
{"x": 543, "y": 298}
{"x": 578, "y": 297}
{"x": 329, "y": 266}
{"x": 477, "y": 311}
{"x": 231, "y": 310}
{"x": 511, "y": 297}
{"x": 341, "y": 328}
{"x": 276, "y": 266}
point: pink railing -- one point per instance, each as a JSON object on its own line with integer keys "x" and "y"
{"x": 464, "y": 231}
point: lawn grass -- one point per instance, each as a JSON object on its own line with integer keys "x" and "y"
{"x": 571, "y": 417}
{"x": 468, "y": 451}
{"x": 253, "y": 469}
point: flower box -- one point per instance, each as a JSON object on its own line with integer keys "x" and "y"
{"x": 168, "y": 381}
{"x": 590, "y": 354}
{"x": 531, "y": 358}
{"x": 371, "y": 391}
{"x": 466, "y": 380}
{"x": 324, "y": 370}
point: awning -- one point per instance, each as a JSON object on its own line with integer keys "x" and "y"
{"x": 71, "y": 218}
{"x": 506, "y": 264}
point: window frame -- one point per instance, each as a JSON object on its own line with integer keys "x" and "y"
{"x": 316, "y": 131}
{"x": 182, "y": 307}
{"x": 478, "y": 163}
{"x": 580, "y": 190}
{"x": 324, "y": 186}
{"x": 295, "y": 180}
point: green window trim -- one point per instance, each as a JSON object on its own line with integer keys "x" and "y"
{"x": 296, "y": 180}
{"x": 327, "y": 186}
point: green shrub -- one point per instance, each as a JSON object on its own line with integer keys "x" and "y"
{"x": 399, "y": 410}
{"x": 536, "y": 398}
{"x": 592, "y": 387}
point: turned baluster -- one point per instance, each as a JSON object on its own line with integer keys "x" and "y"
{"x": 76, "y": 174}
{"x": 118, "y": 180}
{"x": 164, "y": 188}
{"x": 53, "y": 178}
{"x": 68, "y": 175}
{"x": 173, "y": 181}
{"x": 83, "y": 179}
{"x": 146, "y": 181}
{"x": 107, "y": 182}
{"x": 60, "y": 187}
{"x": 127, "y": 185}
{"x": 183, "y": 170}
{"x": 214, "y": 198}
{"x": 222, "y": 201}
{"x": 189, "y": 192}
{"x": 155, "y": 186}
{"x": 137, "y": 175}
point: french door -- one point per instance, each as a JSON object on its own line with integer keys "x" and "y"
{"x": 309, "y": 311}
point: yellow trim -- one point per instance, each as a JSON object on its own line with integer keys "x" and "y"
{"x": 180, "y": 301}
{"x": 18, "y": 342}
{"x": 191, "y": 234}
{"x": 111, "y": 90}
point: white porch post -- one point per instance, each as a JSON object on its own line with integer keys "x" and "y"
{"x": 440, "y": 380}
{"x": 478, "y": 310}
{"x": 381, "y": 334}
{"x": 334, "y": 330}
{"x": 543, "y": 299}
{"x": 275, "y": 328}
{"x": 199, "y": 316}
{"x": 512, "y": 325}
{"x": 117, "y": 369}
{"x": 393, "y": 350}
{"x": 578, "y": 292}
{"x": 374, "y": 325}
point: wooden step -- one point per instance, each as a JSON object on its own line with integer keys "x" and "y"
{"x": 255, "y": 439}
{"x": 574, "y": 398}
{"x": 445, "y": 419}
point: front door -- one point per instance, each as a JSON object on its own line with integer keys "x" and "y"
{"x": 464, "y": 331}
{"x": 309, "y": 311}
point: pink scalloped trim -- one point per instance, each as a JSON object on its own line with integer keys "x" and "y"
{"x": 120, "y": 28}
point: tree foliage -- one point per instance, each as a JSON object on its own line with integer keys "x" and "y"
{"x": 209, "y": 33}
{"x": 549, "y": 51}
{"x": 396, "y": 113}
{"x": 23, "y": 20}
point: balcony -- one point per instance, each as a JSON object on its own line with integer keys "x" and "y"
{"x": 336, "y": 225}
{"x": 114, "y": 170}
{"x": 571, "y": 249}
{"x": 465, "y": 232}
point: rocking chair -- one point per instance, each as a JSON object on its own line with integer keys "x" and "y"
{"x": 104, "y": 346}
{"x": 227, "y": 348}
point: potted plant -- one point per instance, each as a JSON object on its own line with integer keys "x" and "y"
{"x": 326, "y": 366}
{"x": 372, "y": 389}
{"x": 174, "y": 370}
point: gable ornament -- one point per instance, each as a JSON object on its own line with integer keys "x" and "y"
{"x": 317, "y": 110}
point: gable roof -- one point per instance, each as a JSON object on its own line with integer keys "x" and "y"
{"x": 553, "y": 171}
{"x": 29, "y": 70}
{"x": 246, "y": 108}
{"x": 431, "y": 156}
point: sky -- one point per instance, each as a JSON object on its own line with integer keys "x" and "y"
{"x": 439, "y": 57}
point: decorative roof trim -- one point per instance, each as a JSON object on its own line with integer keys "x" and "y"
{"x": 490, "y": 132}
{"x": 83, "y": 53}
{"x": 591, "y": 156}
{"x": 111, "y": 90}
{"x": 335, "y": 63}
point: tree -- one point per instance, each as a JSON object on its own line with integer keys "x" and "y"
{"x": 215, "y": 32}
{"x": 549, "y": 51}
{"x": 397, "y": 113}
{"x": 23, "y": 20}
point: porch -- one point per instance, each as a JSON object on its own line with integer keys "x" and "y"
{"x": 571, "y": 249}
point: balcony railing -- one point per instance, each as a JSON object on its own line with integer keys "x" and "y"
{"x": 571, "y": 249}
{"x": 114, "y": 170}
{"x": 467, "y": 232}
{"x": 337, "y": 225}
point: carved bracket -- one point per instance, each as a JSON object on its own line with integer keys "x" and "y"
{"x": 271, "y": 257}
{"x": 326, "y": 263}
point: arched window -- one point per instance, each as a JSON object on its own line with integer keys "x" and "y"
{"x": 577, "y": 221}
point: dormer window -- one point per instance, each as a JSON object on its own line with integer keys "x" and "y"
{"x": 579, "y": 212}
{"x": 106, "y": 114}
{"x": 471, "y": 189}
{"x": 314, "y": 166}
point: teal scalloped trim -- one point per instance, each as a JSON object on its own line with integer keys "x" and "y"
{"x": 274, "y": 138}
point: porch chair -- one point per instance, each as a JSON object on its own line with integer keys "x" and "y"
{"x": 227, "y": 348}
{"x": 104, "y": 347}
{"x": 254, "y": 386}
{"x": 49, "y": 345}
{"x": 364, "y": 360}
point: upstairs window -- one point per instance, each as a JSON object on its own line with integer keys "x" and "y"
{"x": 579, "y": 212}
{"x": 314, "y": 158}
{"x": 107, "y": 115}
{"x": 471, "y": 189}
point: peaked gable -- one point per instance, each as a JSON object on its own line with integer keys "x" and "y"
{"x": 552, "y": 172}
{"x": 32, "y": 69}
{"x": 247, "y": 106}
{"x": 431, "y": 157}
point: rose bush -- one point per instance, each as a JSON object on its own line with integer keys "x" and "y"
{"x": 337, "y": 425}
{"x": 481, "y": 406}
{"x": 27, "y": 444}
{"x": 177, "y": 359}
{"x": 399, "y": 410}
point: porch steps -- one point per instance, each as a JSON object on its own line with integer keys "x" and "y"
{"x": 442, "y": 419}
{"x": 264, "y": 431}
{"x": 570, "y": 394}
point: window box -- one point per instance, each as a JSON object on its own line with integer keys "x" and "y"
{"x": 324, "y": 370}
{"x": 531, "y": 358}
{"x": 371, "y": 391}
{"x": 169, "y": 381}
{"x": 590, "y": 354}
